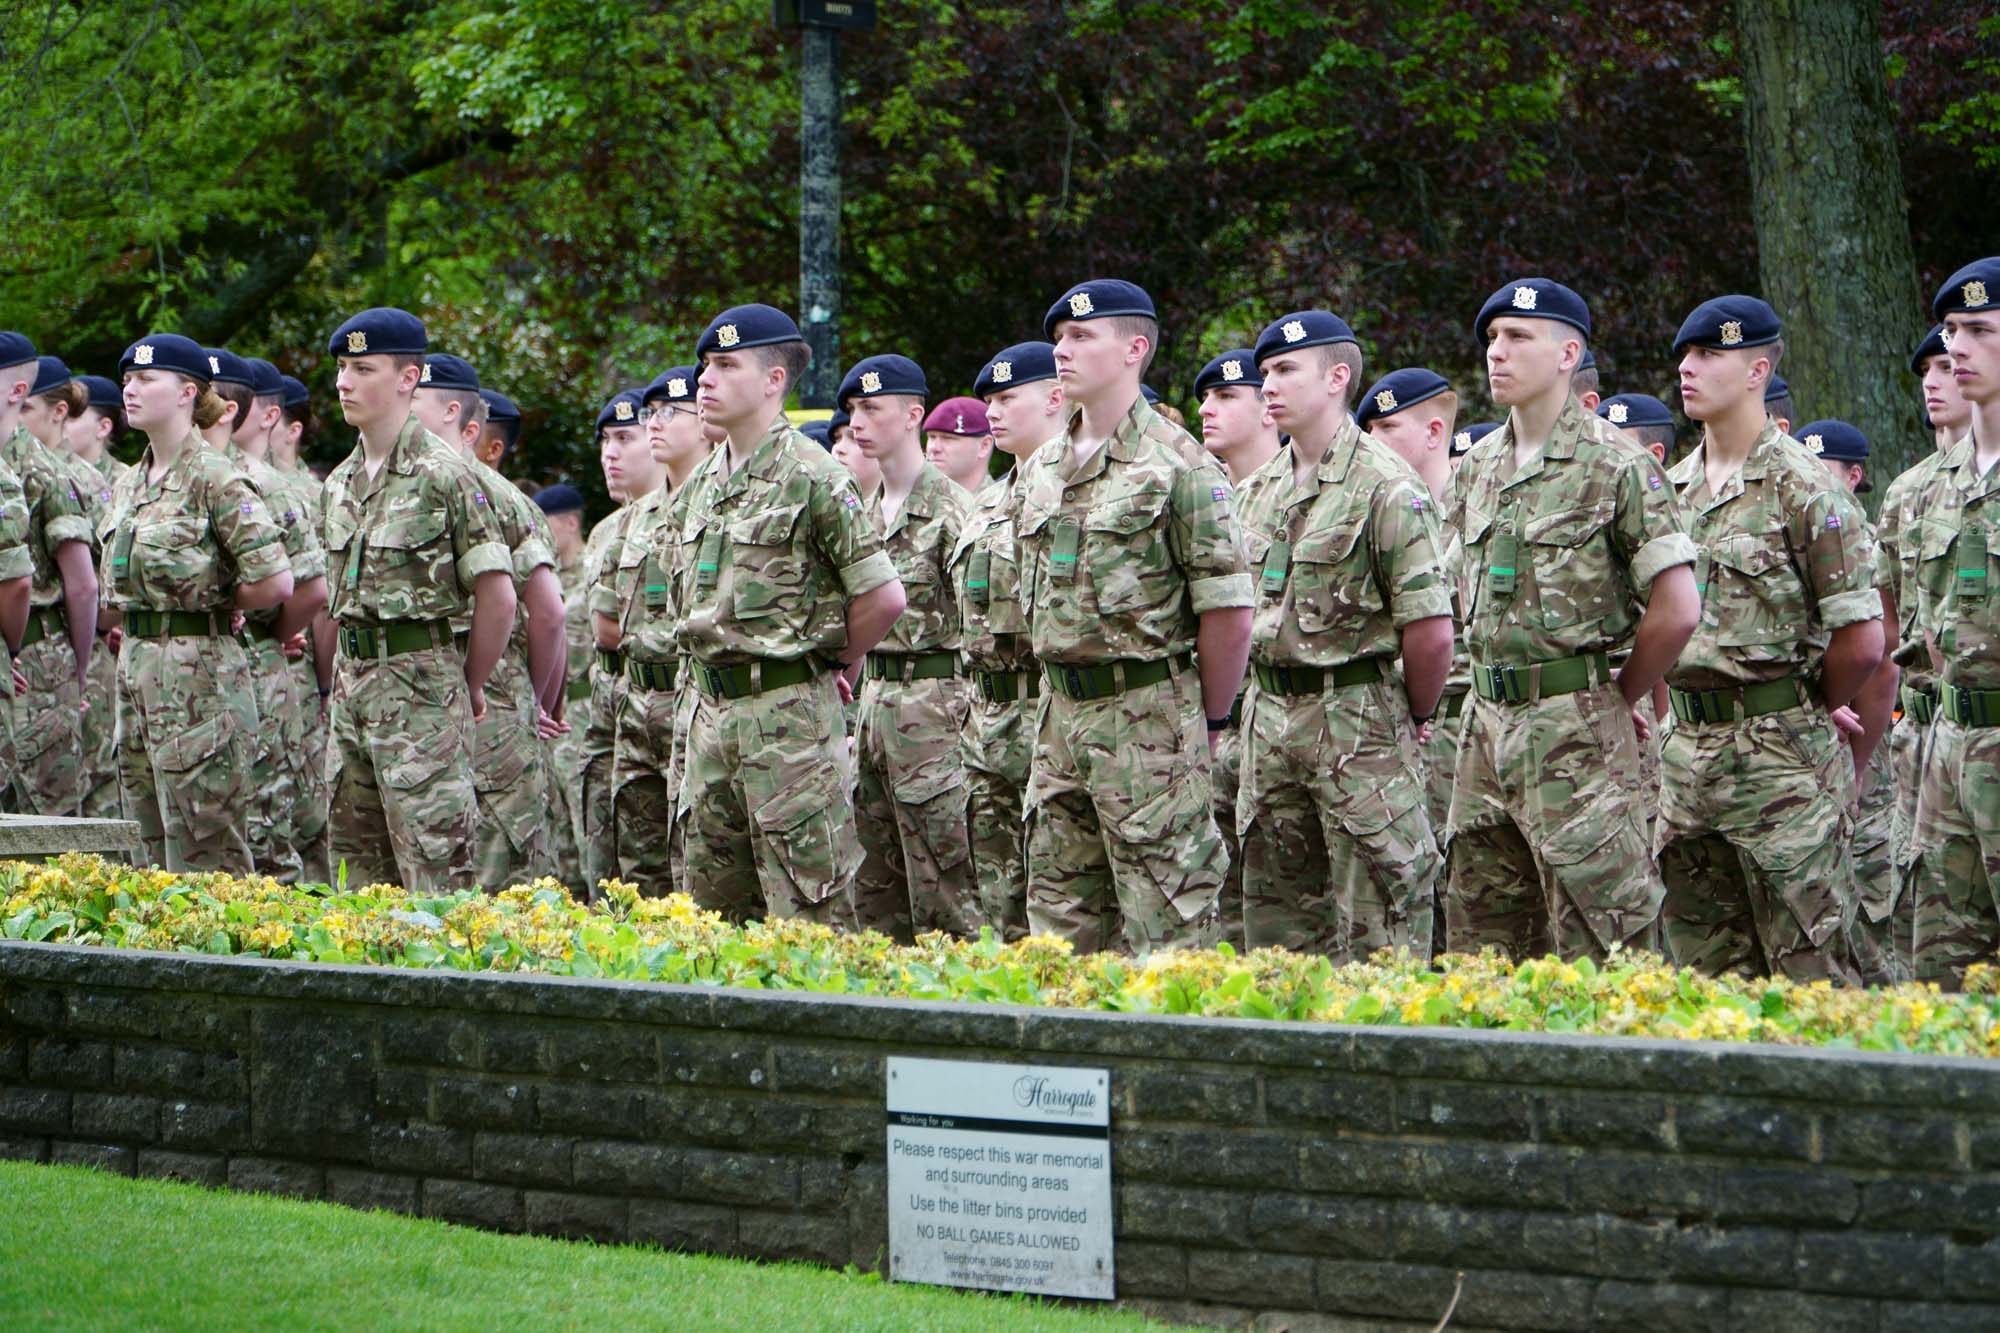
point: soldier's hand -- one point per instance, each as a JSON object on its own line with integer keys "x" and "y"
{"x": 845, "y": 686}
{"x": 113, "y": 639}
{"x": 235, "y": 622}
{"x": 20, "y": 683}
{"x": 478, "y": 697}
{"x": 1642, "y": 722}
{"x": 1424, "y": 730}
{"x": 295, "y": 647}
{"x": 547, "y": 727}
{"x": 1848, "y": 723}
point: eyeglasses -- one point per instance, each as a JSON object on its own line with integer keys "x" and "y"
{"x": 660, "y": 413}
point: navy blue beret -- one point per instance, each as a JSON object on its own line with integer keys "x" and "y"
{"x": 561, "y": 498}
{"x": 1236, "y": 366}
{"x": 621, "y": 409}
{"x": 167, "y": 351}
{"x": 1467, "y": 436}
{"x": 50, "y": 373}
{"x": 225, "y": 367}
{"x": 1023, "y": 363}
{"x": 1974, "y": 287}
{"x": 1400, "y": 389}
{"x": 676, "y": 384}
{"x": 819, "y": 433}
{"x": 1301, "y": 328}
{"x": 1534, "y": 298}
{"x": 838, "y": 421}
{"x": 1729, "y": 321}
{"x": 1635, "y": 409}
{"x": 380, "y": 331}
{"x": 499, "y": 407}
{"x": 295, "y": 393}
{"x": 1589, "y": 361}
{"x": 1150, "y": 394}
{"x": 1776, "y": 390}
{"x": 876, "y": 376}
{"x": 1932, "y": 345}
{"x": 266, "y": 381}
{"x": 1100, "y": 298}
{"x": 15, "y": 349}
{"x": 1834, "y": 439}
{"x": 103, "y": 393}
{"x": 442, "y": 370}
{"x": 743, "y": 326}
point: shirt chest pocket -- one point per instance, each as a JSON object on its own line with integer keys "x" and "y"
{"x": 641, "y": 580}
{"x": 766, "y": 568}
{"x": 409, "y": 544}
{"x": 1754, "y": 597}
{"x": 1125, "y": 542}
{"x": 1572, "y": 563}
{"x": 1957, "y": 569}
{"x": 1327, "y": 587}
{"x": 165, "y": 556}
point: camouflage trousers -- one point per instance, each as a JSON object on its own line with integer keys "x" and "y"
{"x": 1123, "y": 851}
{"x": 274, "y": 791}
{"x": 1954, "y": 871}
{"x": 102, "y": 795}
{"x": 769, "y": 830}
{"x": 1225, "y": 772}
{"x": 309, "y": 771}
{"x": 1440, "y": 770}
{"x": 404, "y": 808}
{"x": 48, "y": 730}
{"x": 1878, "y": 946}
{"x": 597, "y": 837}
{"x": 565, "y": 764}
{"x": 1755, "y": 847}
{"x": 995, "y": 748}
{"x": 510, "y": 774}
{"x": 1338, "y": 854}
{"x": 1547, "y": 834}
{"x": 187, "y": 743}
{"x": 645, "y": 792}
{"x": 1905, "y": 750}
{"x": 910, "y": 811}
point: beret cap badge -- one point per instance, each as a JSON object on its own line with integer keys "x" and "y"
{"x": 142, "y": 355}
{"x": 1975, "y": 293}
{"x": 1003, "y": 371}
{"x": 215, "y": 365}
{"x": 1232, "y": 370}
{"x": 1385, "y": 401}
{"x": 1463, "y": 439}
{"x": 677, "y": 388}
{"x": 357, "y": 341}
{"x": 727, "y": 335}
{"x": 426, "y": 378}
{"x": 1732, "y": 332}
{"x": 870, "y": 382}
{"x": 1816, "y": 443}
{"x": 1294, "y": 331}
{"x": 623, "y": 409}
{"x": 1617, "y": 413}
{"x": 1080, "y": 304}
{"x": 1524, "y": 298}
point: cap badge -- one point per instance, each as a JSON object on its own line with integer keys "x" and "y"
{"x": 870, "y": 382}
{"x": 1524, "y": 298}
{"x": 1617, "y": 413}
{"x": 426, "y": 377}
{"x": 1232, "y": 370}
{"x": 1463, "y": 439}
{"x": 622, "y": 409}
{"x": 677, "y": 388}
{"x": 215, "y": 365}
{"x": 1975, "y": 293}
{"x": 727, "y": 336}
{"x": 1816, "y": 444}
{"x": 1385, "y": 401}
{"x": 357, "y": 341}
{"x": 1732, "y": 332}
{"x": 1080, "y": 304}
{"x": 1944, "y": 336}
{"x": 1294, "y": 331}
{"x": 142, "y": 355}
{"x": 1003, "y": 372}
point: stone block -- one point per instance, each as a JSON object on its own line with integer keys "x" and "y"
{"x": 675, "y": 1225}
{"x": 521, "y": 1159}
{"x": 1204, "y": 1217}
{"x": 606, "y": 1052}
{"x": 618, "y": 1167}
{"x": 1249, "y": 1278}
{"x": 311, "y": 1083}
{"x": 1640, "y": 1121}
{"x": 215, "y": 1125}
{"x": 576, "y": 1216}
{"x": 482, "y": 1103}
{"x": 420, "y": 1149}
{"x": 441, "y": 1041}
{"x": 112, "y": 1157}
{"x": 1630, "y": 1186}
{"x": 709, "y": 1061}
{"x": 583, "y": 1108}
{"x": 1145, "y": 1269}
{"x": 738, "y": 1177}
{"x": 115, "y": 1118}
{"x": 1871, "y": 1263}
{"x": 273, "y": 1175}
{"x": 114, "y": 1013}
{"x": 1150, "y": 1095}
{"x": 351, "y": 1187}
{"x": 1797, "y": 1312}
{"x": 473, "y": 1203}
{"x": 1802, "y": 1196}
{"x": 828, "y": 1070}
{"x": 1903, "y": 1140}
{"x": 1354, "y": 1103}
{"x": 800, "y": 1237}
{"x": 70, "y": 1064}
{"x": 34, "y": 1110}
{"x": 196, "y": 1168}
{"x": 1496, "y": 1112}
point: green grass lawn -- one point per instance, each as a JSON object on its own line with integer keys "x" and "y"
{"x": 79, "y": 1248}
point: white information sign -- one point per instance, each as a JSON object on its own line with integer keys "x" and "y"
{"x": 1000, "y": 1177}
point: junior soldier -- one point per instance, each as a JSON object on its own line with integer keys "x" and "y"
{"x": 101, "y": 424}
{"x": 1237, "y": 428}
{"x": 783, "y": 586}
{"x": 1584, "y": 384}
{"x": 959, "y": 442}
{"x": 1130, "y": 562}
{"x": 1339, "y": 857}
{"x": 1754, "y": 773}
{"x": 17, "y": 568}
{"x": 189, "y": 542}
{"x": 1465, "y": 437}
{"x": 291, "y": 432}
{"x": 1574, "y": 550}
{"x": 500, "y": 431}
{"x": 562, "y": 506}
{"x": 909, "y": 801}
{"x": 411, "y": 540}
{"x": 55, "y": 648}
{"x": 1778, "y": 404}
{"x": 1024, "y": 403}
{"x": 1646, "y": 421}
{"x": 1955, "y": 848}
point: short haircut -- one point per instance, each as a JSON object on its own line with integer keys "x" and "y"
{"x": 230, "y": 392}
{"x": 471, "y": 407}
{"x": 69, "y": 393}
{"x": 509, "y": 428}
{"x": 1345, "y": 354}
{"x": 1447, "y": 407}
{"x": 1583, "y": 381}
{"x": 1139, "y": 326}
{"x": 1775, "y": 349}
{"x": 1660, "y": 435}
{"x": 794, "y": 356}
{"x": 401, "y": 362}
{"x": 1781, "y": 406}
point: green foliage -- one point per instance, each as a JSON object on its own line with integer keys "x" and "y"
{"x": 1974, "y": 121}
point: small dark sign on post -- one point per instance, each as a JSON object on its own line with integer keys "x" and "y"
{"x": 851, "y": 15}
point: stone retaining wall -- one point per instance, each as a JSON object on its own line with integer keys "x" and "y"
{"x": 1316, "y": 1177}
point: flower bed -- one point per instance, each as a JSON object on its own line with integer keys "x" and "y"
{"x": 79, "y": 899}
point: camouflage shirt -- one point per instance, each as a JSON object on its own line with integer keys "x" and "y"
{"x": 411, "y": 542}
{"x": 187, "y": 542}
{"x": 525, "y": 529}
{"x": 16, "y": 561}
{"x": 987, "y": 581}
{"x": 302, "y": 548}
{"x": 1899, "y": 543}
{"x": 1342, "y": 563}
{"x": 58, "y": 510}
{"x": 1459, "y": 679}
{"x": 920, "y": 541}
{"x": 1121, "y": 553}
{"x": 1561, "y": 555}
{"x": 1959, "y": 562}
{"x": 769, "y": 555}
{"x": 635, "y": 587}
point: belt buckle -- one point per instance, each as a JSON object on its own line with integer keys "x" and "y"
{"x": 712, "y": 676}
{"x": 989, "y": 686}
{"x": 1500, "y": 676}
{"x": 1284, "y": 679}
{"x": 1074, "y": 679}
{"x": 1965, "y": 714}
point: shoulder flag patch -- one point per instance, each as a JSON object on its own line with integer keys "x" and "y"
{"x": 850, "y": 499}
{"x": 1419, "y": 504}
{"x": 1220, "y": 493}
{"x": 1833, "y": 520}
{"x": 479, "y": 497}
{"x": 1654, "y": 481}
{"x": 248, "y": 507}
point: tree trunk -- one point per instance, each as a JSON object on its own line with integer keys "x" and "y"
{"x": 1833, "y": 231}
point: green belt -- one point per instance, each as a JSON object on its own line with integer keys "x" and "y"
{"x": 1920, "y": 704}
{"x": 44, "y": 622}
{"x": 1737, "y": 704}
{"x": 1004, "y": 687}
{"x": 1451, "y": 705}
{"x": 611, "y": 661}
{"x": 1971, "y": 708}
{"x": 255, "y": 630}
{"x": 1311, "y": 680}
{"x": 396, "y": 637}
{"x": 650, "y": 675}
{"x": 577, "y": 689}
{"x": 1502, "y": 683}
{"x": 1108, "y": 678}
{"x": 174, "y": 624}
{"x": 739, "y": 682}
{"x": 910, "y": 666}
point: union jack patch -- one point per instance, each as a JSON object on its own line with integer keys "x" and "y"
{"x": 1419, "y": 504}
{"x": 1833, "y": 520}
{"x": 1654, "y": 481}
{"x": 479, "y": 497}
{"x": 850, "y": 499}
{"x": 1219, "y": 493}
{"x": 248, "y": 507}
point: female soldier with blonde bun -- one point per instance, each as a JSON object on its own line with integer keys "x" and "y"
{"x": 187, "y": 544}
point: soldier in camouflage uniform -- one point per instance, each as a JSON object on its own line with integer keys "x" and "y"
{"x": 1129, "y": 560}
{"x": 1756, "y": 783}
{"x": 562, "y": 506}
{"x": 781, "y": 579}
{"x": 1024, "y": 403}
{"x": 54, "y": 653}
{"x": 909, "y": 800}
{"x": 17, "y": 569}
{"x": 1339, "y": 856}
{"x": 1955, "y": 844}
{"x": 1574, "y": 550}
{"x": 633, "y": 606}
{"x": 1237, "y": 429}
{"x": 411, "y": 538}
{"x": 288, "y": 435}
{"x": 188, "y": 542}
